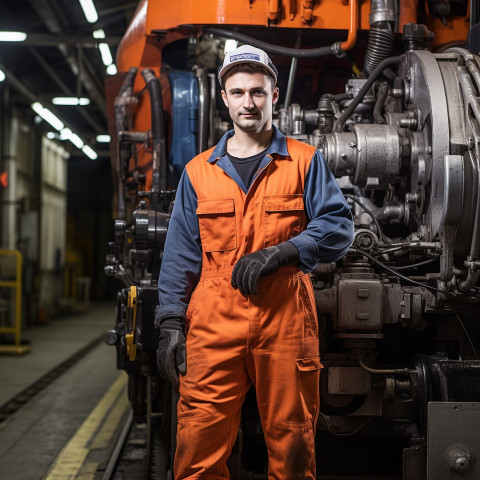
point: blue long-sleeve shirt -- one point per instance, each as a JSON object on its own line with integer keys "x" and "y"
{"x": 328, "y": 235}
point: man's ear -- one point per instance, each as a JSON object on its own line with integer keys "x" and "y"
{"x": 224, "y": 97}
{"x": 275, "y": 95}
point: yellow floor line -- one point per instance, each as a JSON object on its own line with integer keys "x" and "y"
{"x": 71, "y": 458}
{"x": 111, "y": 423}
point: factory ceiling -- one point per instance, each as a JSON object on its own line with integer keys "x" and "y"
{"x": 62, "y": 56}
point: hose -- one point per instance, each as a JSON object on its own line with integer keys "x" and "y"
{"x": 340, "y": 122}
{"x": 380, "y": 46}
{"x": 159, "y": 159}
{"x": 333, "y": 49}
{"x": 381, "y": 97}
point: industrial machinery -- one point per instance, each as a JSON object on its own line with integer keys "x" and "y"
{"x": 389, "y": 91}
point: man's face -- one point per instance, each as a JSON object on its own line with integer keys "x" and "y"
{"x": 250, "y": 99}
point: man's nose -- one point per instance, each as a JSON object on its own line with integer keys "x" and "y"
{"x": 248, "y": 101}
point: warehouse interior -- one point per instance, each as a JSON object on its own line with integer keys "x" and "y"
{"x": 56, "y": 188}
{"x": 104, "y": 103}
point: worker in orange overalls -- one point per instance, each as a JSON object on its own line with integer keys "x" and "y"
{"x": 252, "y": 217}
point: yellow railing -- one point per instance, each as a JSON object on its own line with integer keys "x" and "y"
{"x": 6, "y": 281}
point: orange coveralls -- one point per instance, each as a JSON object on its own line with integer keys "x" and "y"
{"x": 269, "y": 340}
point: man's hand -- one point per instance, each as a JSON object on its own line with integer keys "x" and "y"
{"x": 171, "y": 351}
{"x": 250, "y": 268}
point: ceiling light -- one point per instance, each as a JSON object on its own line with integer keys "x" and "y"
{"x": 230, "y": 45}
{"x": 89, "y": 152}
{"x": 106, "y": 54}
{"x": 65, "y": 134}
{"x": 112, "y": 69}
{"x": 89, "y": 10}
{"x": 99, "y": 33}
{"x": 12, "y": 36}
{"x": 70, "y": 101}
{"x": 2, "y": 76}
{"x": 103, "y": 138}
{"x": 77, "y": 141}
{"x": 47, "y": 115}
{"x": 51, "y": 135}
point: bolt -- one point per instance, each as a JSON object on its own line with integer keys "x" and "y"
{"x": 343, "y": 156}
{"x": 410, "y": 123}
{"x": 461, "y": 464}
{"x": 352, "y": 145}
{"x": 470, "y": 143}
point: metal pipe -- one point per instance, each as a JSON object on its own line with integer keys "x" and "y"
{"x": 404, "y": 371}
{"x": 8, "y": 147}
{"x": 291, "y": 76}
{"x": 203, "y": 104}
{"x": 352, "y": 32}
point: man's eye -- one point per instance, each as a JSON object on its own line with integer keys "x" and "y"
{"x": 258, "y": 92}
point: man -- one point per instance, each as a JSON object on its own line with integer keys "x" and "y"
{"x": 252, "y": 217}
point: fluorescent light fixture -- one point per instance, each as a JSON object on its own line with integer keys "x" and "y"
{"x": 112, "y": 69}
{"x": 47, "y": 115}
{"x": 77, "y": 141}
{"x": 99, "y": 33}
{"x": 65, "y": 134}
{"x": 12, "y": 36}
{"x": 230, "y": 45}
{"x": 2, "y": 75}
{"x": 51, "y": 135}
{"x": 70, "y": 101}
{"x": 89, "y": 152}
{"x": 89, "y": 10}
{"x": 103, "y": 138}
{"x": 106, "y": 54}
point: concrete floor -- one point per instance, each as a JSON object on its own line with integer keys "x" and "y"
{"x": 32, "y": 438}
{"x": 51, "y": 344}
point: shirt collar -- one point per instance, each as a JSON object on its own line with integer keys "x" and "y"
{"x": 278, "y": 145}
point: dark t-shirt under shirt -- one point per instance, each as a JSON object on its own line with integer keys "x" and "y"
{"x": 248, "y": 166}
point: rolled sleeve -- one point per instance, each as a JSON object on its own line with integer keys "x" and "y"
{"x": 182, "y": 256}
{"x": 329, "y": 232}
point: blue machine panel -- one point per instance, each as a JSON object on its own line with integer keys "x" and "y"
{"x": 184, "y": 87}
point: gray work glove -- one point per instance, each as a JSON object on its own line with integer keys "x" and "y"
{"x": 171, "y": 351}
{"x": 250, "y": 268}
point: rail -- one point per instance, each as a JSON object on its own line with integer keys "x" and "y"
{"x": 6, "y": 281}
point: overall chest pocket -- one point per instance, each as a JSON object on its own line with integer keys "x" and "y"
{"x": 216, "y": 219}
{"x": 284, "y": 217}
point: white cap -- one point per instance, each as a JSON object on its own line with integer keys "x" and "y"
{"x": 247, "y": 54}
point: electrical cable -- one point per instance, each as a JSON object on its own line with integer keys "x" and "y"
{"x": 420, "y": 264}
{"x": 468, "y": 336}
{"x": 346, "y": 434}
{"x": 403, "y": 277}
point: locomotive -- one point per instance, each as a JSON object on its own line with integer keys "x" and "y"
{"x": 389, "y": 92}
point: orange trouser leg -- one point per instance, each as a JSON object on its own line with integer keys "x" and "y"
{"x": 215, "y": 385}
{"x": 284, "y": 366}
